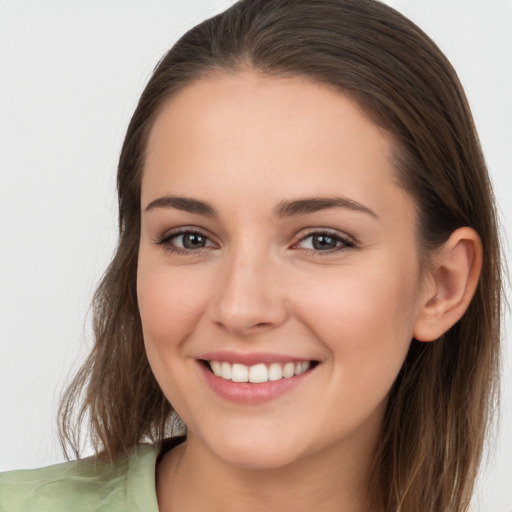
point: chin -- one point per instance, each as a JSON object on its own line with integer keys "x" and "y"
{"x": 255, "y": 452}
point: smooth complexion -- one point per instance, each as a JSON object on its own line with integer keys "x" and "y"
{"x": 274, "y": 230}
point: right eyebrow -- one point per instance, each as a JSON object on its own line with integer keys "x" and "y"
{"x": 183, "y": 203}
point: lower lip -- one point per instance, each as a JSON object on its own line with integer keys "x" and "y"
{"x": 249, "y": 393}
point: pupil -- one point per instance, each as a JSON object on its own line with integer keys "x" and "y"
{"x": 193, "y": 241}
{"x": 324, "y": 242}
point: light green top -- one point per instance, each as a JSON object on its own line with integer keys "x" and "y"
{"x": 126, "y": 485}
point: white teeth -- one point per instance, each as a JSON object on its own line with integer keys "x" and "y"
{"x": 302, "y": 367}
{"x": 216, "y": 367}
{"x": 258, "y": 373}
{"x": 275, "y": 372}
{"x": 239, "y": 373}
{"x": 226, "y": 371}
{"x": 288, "y": 370}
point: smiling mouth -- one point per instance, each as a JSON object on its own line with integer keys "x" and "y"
{"x": 258, "y": 373}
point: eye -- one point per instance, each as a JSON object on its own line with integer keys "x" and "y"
{"x": 190, "y": 241}
{"x": 185, "y": 241}
{"x": 324, "y": 242}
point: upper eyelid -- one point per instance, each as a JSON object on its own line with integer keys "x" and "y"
{"x": 183, "y": 230}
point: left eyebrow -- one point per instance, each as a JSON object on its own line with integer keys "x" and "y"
{"x": 315, "y": 204}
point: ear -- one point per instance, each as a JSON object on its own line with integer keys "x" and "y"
{"x": 452, "y": 279}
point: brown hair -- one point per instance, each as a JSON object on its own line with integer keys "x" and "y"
{"x": 441, "y": 402}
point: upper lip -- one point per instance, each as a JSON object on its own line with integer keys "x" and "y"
{"x": 251, "y": 358}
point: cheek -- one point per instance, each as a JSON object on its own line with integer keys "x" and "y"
{"x": 365, "y": 319}
{"x": 170, "y": 302}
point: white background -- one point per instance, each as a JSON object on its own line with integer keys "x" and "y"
{"x": 70, "y": 75}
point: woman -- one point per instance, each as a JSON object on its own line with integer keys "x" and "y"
{"x": 308, "y": 271}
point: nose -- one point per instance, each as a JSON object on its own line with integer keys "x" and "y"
{"x": 250, "y": 296}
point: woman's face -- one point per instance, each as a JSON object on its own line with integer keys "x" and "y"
{"x": 276, "y": 244}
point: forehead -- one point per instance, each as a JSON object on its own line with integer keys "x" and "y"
{"x": 248, "y": 104}
{"x": 265, "y": 133}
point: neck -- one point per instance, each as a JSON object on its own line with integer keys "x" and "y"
{"x": 191, "y": 477}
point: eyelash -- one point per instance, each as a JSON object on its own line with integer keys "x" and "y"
{"x": 166, "y": 242}
{"x": 344, "y": 242}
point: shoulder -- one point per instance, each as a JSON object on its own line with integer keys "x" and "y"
{"x": 85, "y": 485}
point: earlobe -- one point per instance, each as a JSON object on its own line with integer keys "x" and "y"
{"x": 453, "y": 278}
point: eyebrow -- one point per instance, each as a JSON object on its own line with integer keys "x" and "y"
{"x": 283, "y": 209}
{"x": 315, "y": 204}
{"x": 183, "y": 203}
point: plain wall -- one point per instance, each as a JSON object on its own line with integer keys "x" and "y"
{"x": 70, "y": 76}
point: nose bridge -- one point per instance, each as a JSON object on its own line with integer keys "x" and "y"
{"x": 249, "y": 294}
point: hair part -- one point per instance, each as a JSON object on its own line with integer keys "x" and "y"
{"x": 441, "y": 403}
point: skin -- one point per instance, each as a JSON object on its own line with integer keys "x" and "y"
{"x": 244, "y": 143}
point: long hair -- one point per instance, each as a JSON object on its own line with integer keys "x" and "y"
{"x": 440, "y": 405}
